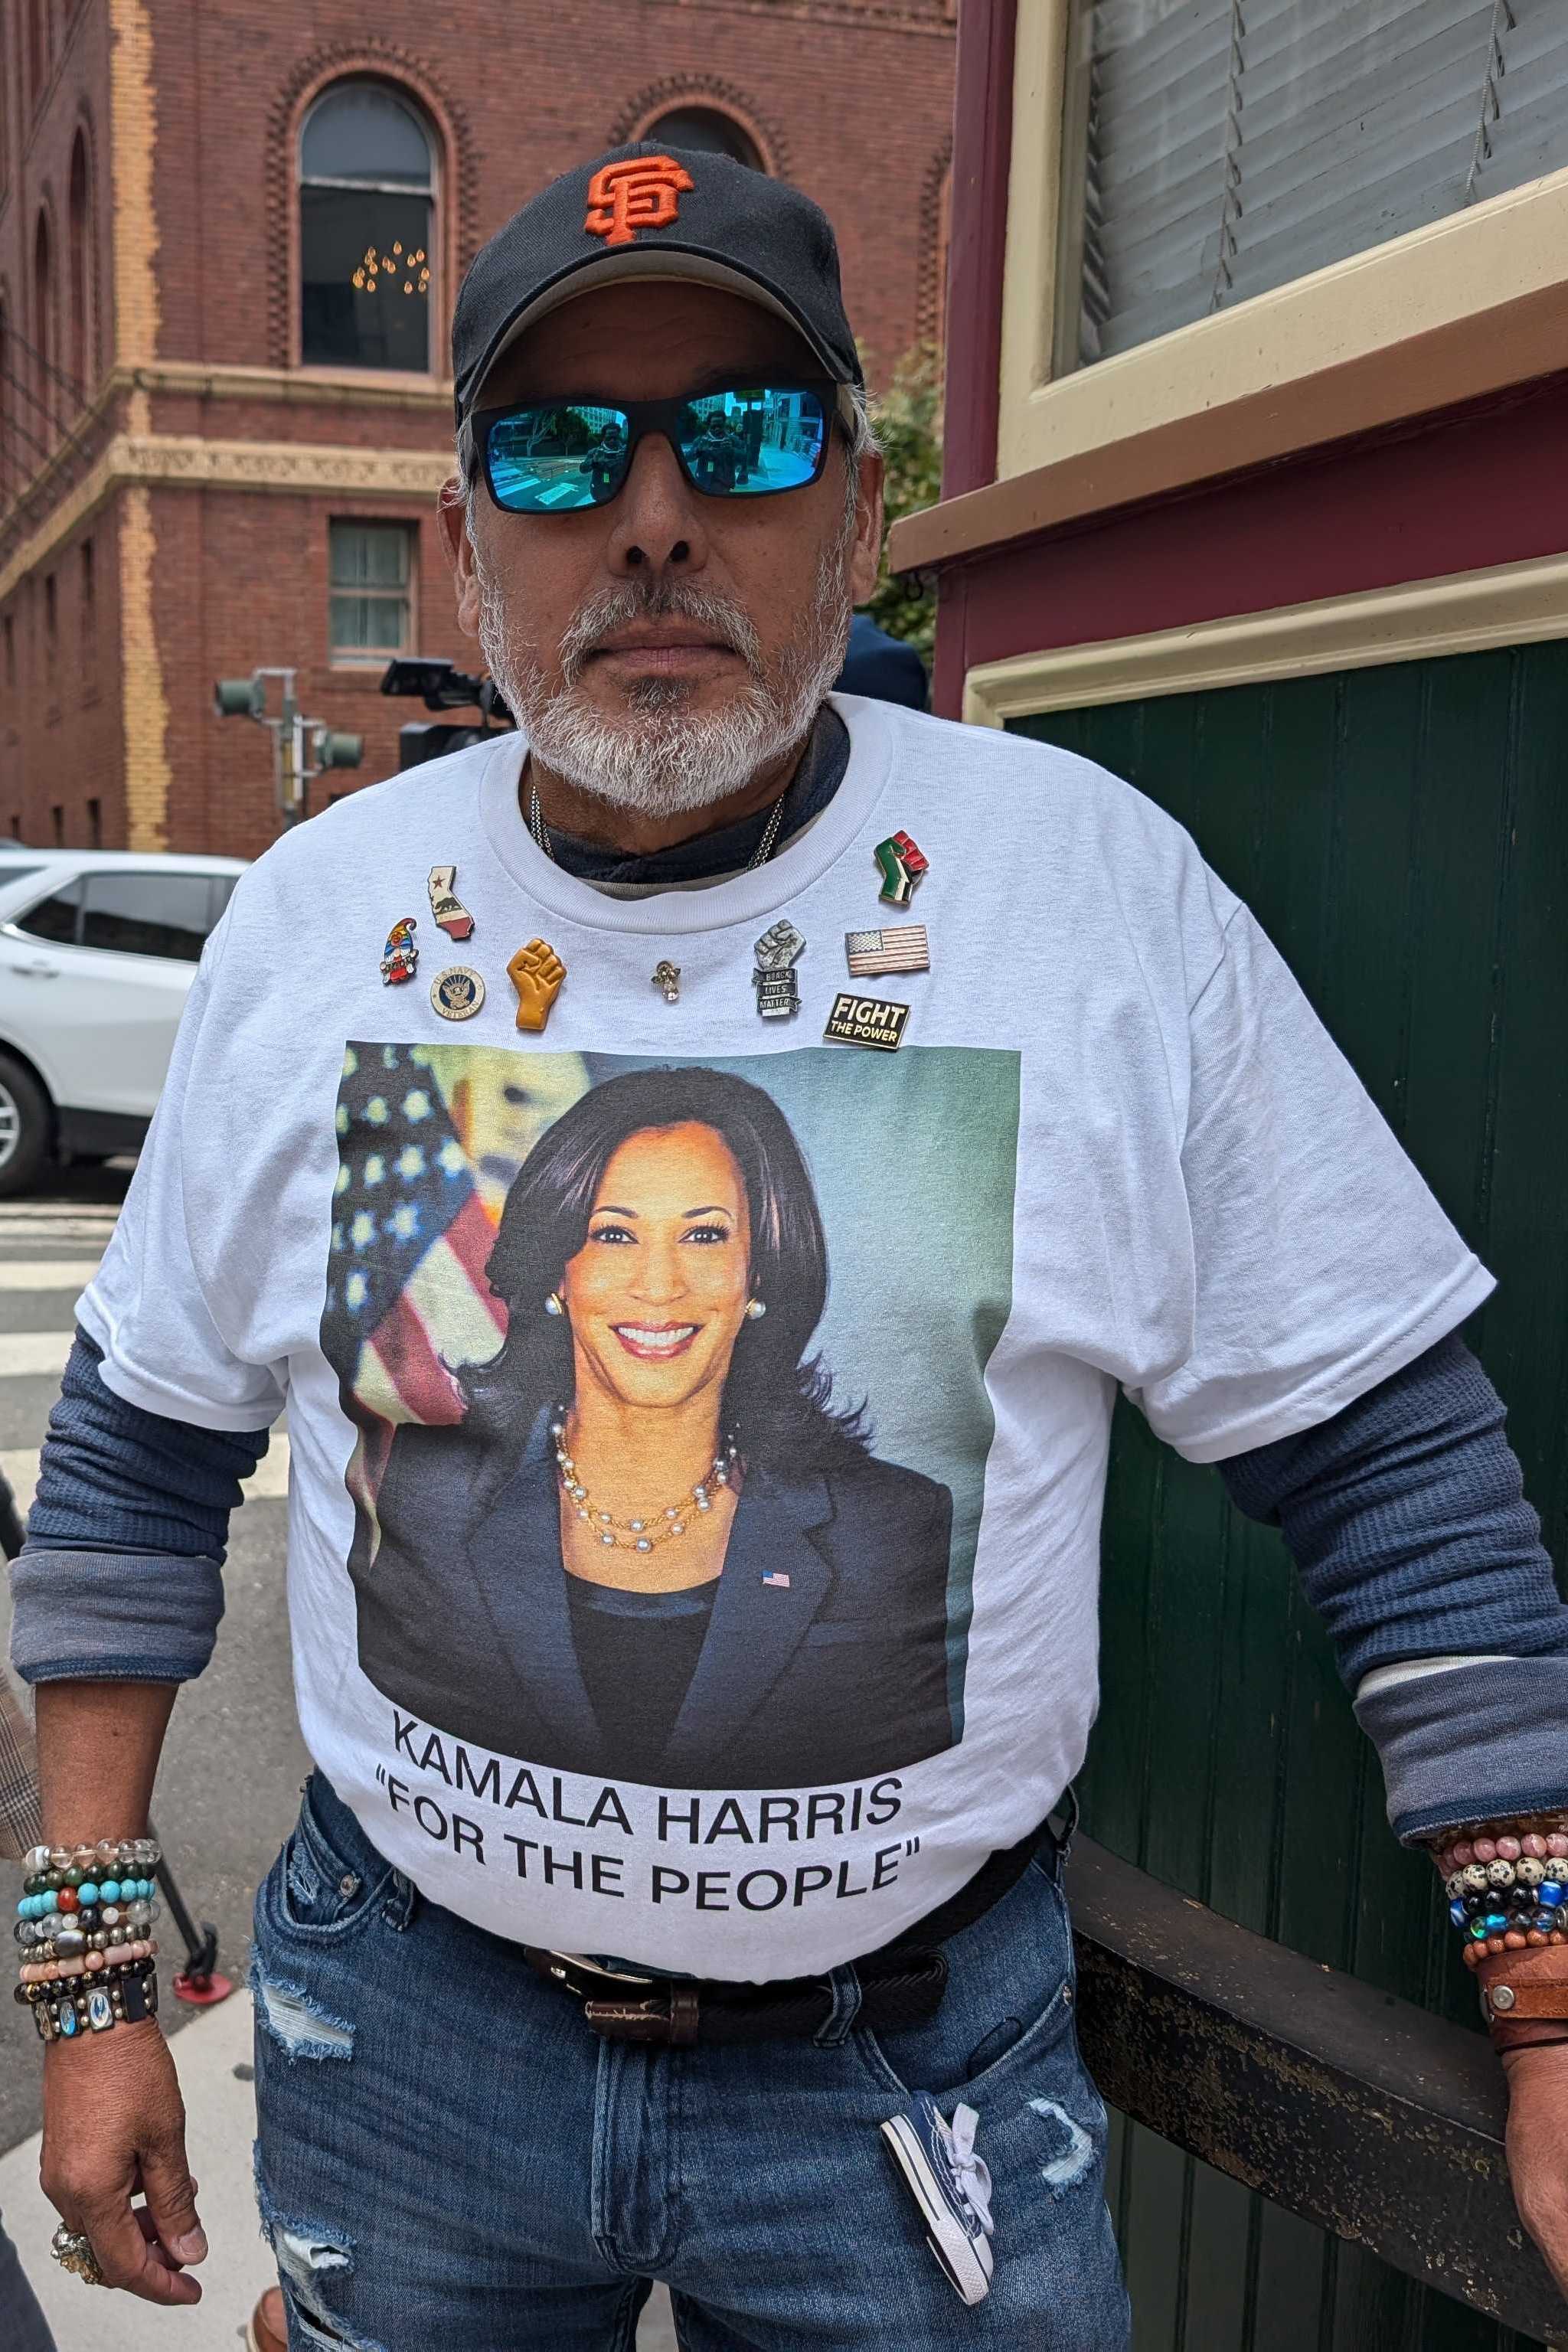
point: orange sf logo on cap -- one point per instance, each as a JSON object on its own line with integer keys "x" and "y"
{"x": 643, "y": 192}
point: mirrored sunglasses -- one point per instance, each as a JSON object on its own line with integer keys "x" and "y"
{"x": 556, "y": 457}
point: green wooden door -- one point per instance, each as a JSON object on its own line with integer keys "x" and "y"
{"x": 1402, "y": 833}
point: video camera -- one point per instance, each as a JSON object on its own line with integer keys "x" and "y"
{"x": 441, "y": 687}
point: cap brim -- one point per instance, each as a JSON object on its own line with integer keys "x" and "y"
{"x": 673, "y": 263}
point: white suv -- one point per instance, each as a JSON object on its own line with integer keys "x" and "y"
{"x": 98, "y": 951}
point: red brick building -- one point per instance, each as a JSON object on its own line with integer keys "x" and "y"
{"x": 229, "y": 241}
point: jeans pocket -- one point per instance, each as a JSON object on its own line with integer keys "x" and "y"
{"x": 1009, "y": 1997}
{"x": 317, "y": 1891}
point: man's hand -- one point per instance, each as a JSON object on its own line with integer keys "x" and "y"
{"x": 114, "y": 2126}
{"x": 1538, "y": 2147}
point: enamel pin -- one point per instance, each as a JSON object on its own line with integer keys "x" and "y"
{"x": 536, "y": 972}
{"x": 458, "y": 993}
{"x": 866, "y": 1021}
{"x": 668, "y": 977}
{"x": 401, "y": 959}
{"x": 450, "y": 914}
{"x": 903, "y": 948}
{"x": 902, "y": 865}
{"x": 778, "y": 992}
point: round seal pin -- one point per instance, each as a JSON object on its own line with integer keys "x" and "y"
{"x": 458, "y": 993}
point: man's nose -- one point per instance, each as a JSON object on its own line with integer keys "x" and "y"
{"x": 658, "y": 520}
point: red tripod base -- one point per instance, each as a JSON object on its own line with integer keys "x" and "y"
{"x": 203, "y": 1992}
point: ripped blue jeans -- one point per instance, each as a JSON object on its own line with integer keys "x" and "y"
{"x": 449, "y": 2156}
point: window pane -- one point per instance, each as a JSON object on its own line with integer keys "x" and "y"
{"x": 369, "y": 624}
{"x": 1229, "y": 152}
{"x": 148, "y": 914}
{"x": 360, "y": 132}
{"x": 706, "y": 129}
{"x": 364, "y": 278}
{"x": 369, "y": 555}
{"x": 56, "y": 919}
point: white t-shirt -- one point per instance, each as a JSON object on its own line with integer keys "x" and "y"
{"x": 1114, "y": 1147}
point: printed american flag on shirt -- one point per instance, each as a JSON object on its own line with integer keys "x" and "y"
{"x": 405, "y": 1283}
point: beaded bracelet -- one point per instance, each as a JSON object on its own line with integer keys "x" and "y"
{"x": 1506, "y": 1884}
{"x": 83, "y": 1926}
{"x": 120, "y": 1995}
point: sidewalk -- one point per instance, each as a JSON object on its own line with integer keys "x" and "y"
{"x": 220, "y": 2124}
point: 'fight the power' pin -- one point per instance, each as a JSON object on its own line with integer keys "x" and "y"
{"x": 866, "y": 1021}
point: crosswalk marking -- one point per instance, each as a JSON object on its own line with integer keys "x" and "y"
{"x": 34, "y": 1355}
{"x": 47, "y": 1274}
{"x": 68, "y": 1229}
{"x": 270, "y": 1484}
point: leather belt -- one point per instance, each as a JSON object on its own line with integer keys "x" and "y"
{"x": 900, "y": 1985}
{"x": 898, "y": 1989}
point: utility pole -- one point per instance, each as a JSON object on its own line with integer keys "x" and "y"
{"x": 302, "y": 749}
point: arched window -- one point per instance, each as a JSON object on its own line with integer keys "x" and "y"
{"x": 79, "y": 358}
{"x": 708, "y": 130}
{"x": 367, "y": 219}
{"x": 45, "y": 340}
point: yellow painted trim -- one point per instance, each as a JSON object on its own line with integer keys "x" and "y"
{"x": 174, "y": 461}
{"x": 1453, "y": 272}
{"x": 1463, "y": 613}
{"x": 144, "y": 705}
{"x": 133, "y": 117}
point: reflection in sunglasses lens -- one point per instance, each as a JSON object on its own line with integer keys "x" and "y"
{"x": 556, "y": 457}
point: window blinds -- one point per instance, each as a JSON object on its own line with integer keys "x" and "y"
{"x": 1231, "y": 145}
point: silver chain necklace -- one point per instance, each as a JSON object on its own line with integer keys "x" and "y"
{"x": 759, "y": 857}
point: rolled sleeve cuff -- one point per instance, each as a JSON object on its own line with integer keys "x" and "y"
{"x": 1477, "y": 1742}
{"x": 112, "y": 1616}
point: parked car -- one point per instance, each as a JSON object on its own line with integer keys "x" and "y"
{"x": 97, "y": 950}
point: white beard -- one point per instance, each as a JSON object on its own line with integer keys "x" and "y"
{"x": 661, "y": 758}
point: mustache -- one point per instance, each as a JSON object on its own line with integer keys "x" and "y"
{"x": 616, "y": 608}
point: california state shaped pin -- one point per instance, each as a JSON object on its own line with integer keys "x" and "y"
{"x": 448, "y": 909}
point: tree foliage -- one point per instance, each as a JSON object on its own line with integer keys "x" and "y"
{"x": 909, "y": 426}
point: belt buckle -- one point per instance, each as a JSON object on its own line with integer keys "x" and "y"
{"x": 673, "y": 2023}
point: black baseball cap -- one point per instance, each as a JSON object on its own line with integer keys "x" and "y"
{"x": 654, "y": 212}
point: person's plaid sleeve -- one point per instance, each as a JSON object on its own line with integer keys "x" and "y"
{"x": 21, "y": 1822}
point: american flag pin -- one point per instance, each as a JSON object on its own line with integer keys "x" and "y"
{"x": 902, "y": 947}
{"x": 775, "y": 1576}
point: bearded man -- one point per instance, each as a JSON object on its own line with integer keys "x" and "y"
{"x": 876, "y": 1099}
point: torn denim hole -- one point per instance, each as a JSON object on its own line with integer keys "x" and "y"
{"x": 1065, "y": 2171}
{"x": 306, "y": 2256}
{"x": 294, "y": 2022}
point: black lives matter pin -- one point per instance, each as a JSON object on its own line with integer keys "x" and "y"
{"x": 866, "y": 1021}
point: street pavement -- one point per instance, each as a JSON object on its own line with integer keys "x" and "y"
{"x": 227, "y": 1790}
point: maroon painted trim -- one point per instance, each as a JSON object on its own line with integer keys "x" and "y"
{"x": 1480, "y": 486}
{"x": 981, "y": 155}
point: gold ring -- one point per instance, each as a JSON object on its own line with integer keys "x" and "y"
{"x": 72, "y": 2249}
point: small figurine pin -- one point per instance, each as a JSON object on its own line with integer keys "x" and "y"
{"x": 667, "y": 975}
{"x": 450, "y": 914}
{"x": 401, "y": 960}
{"x": 902, "y": 865}
{"x": 778, "y": 990}
{"x": 536, "y": 972}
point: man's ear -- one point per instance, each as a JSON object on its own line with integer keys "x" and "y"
{"x": 452, "y": 521}
{"x": 865, "y": 558}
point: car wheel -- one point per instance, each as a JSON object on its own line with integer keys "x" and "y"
{"x": 25, "y": 1125}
